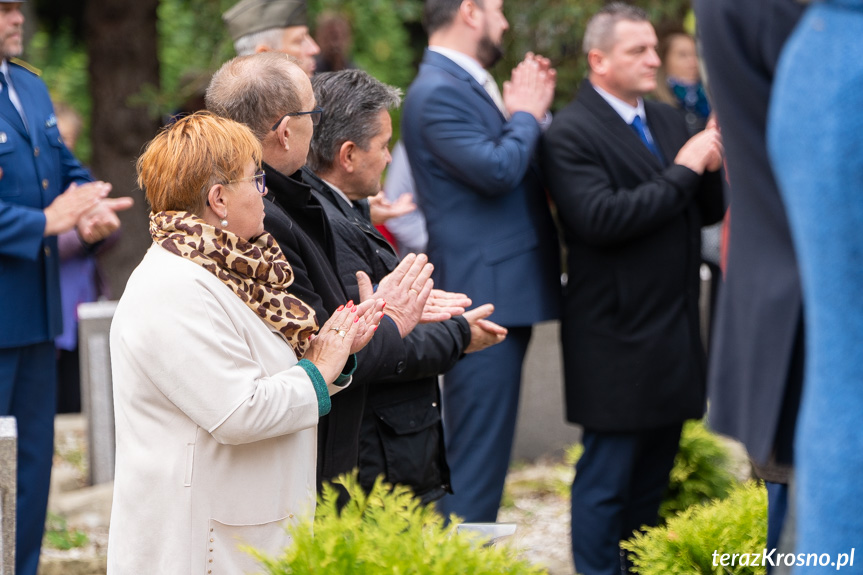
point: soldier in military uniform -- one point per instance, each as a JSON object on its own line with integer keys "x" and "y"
{"x": 44, "y": 191}
{"x": 272, "y": 25}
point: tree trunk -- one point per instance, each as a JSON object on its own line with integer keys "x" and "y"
{"x": 123, "y": 59}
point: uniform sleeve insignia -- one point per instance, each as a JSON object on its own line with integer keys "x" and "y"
{"x": 51, "y": 121}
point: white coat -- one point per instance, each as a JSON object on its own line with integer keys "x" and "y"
{"x": 216, "y": 427}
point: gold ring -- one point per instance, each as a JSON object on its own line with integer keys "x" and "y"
{"x": 341, "y": 333}
{"x": 416, "y": 293}
{"x": 335, "y": 329}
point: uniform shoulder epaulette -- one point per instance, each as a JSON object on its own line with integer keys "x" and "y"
{"x": 26, "y": 66}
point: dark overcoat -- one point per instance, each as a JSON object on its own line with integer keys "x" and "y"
{"x": 633, "y": 359}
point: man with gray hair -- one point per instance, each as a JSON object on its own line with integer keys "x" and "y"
{"x": 272, "y": 95}
{"x": 272, "y": 25}
{"x": 632, "y": 193}
{"x": 349, "y": 153}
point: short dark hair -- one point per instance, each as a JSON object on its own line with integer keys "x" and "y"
{"x": 352, "y": 101}
{"x": 439, "y": 14}
{"x": 599, "y": 32}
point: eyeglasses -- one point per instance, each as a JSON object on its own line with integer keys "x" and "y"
{"x": 260, "y": 181}
{"x": 315, "y": 114}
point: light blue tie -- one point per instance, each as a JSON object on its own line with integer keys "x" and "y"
{"x": 639, "y": 128}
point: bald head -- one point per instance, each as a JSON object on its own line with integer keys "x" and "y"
{"x": 257, "y": 90}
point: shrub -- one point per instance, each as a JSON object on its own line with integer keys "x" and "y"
{"x": 686, "y": 544}
{"x": 386, "y": 531}
{"x": 701, "y": 471}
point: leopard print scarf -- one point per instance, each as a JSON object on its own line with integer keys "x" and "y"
{"x": 256, "y": 271}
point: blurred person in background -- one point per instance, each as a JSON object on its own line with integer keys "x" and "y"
{"x": 221, "y": 371}
{"x": 757, "y": 355}
{"x": 272, "y": 25}
{"x": 678, "y": 80}
{"x": 82, "y": 280}
{"x": 333, "y": 35}
{"x": 678, "y": 83}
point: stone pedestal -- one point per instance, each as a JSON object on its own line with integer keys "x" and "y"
{"x": 97, "y": 394}
{"x": 8, "y": 482}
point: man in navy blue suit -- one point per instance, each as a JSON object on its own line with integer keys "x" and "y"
{"x": 490, "y": 233}
{"x": 36, "y": 168}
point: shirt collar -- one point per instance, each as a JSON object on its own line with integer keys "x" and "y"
{"x": 623, "y": 109}
{"x": 340, "y": 193}
{"x": 470, "y": 65}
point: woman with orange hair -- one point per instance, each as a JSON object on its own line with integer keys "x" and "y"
{"x": 219, "y": 379}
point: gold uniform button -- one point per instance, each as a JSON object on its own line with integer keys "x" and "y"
{"x": 47, "y": 252}
{"x": 36, "y": 151}
{"x": 211, "y": 560}
{"x": 45, "y": 184}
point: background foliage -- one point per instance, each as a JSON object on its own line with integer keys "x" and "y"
{"x": 388, "y": 43}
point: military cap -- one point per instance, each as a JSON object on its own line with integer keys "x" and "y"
{"x": 250, "y": 16}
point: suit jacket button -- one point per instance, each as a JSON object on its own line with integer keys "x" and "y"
{"x": 47, "y": 252}
{"x": 400, "y": 367}
{"x": 36, "y": 151}
{"x": 45, "y": 184}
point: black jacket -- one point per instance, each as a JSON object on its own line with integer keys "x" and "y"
{"x": 402, "y": 434}
{"x": 633, "y": 359}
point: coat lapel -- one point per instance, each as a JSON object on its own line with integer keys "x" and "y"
{"x": 441, "y": 61}
{"x": 617, "y": 128}
{"x": 7, "y": 109}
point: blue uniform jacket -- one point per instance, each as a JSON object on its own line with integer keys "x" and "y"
{"x": 37, "y": 167}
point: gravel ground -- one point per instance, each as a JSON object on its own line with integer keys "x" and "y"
{"x": 537, "y": 501}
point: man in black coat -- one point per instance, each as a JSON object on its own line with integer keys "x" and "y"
{"x": 632, "y": 193}
{"x": 259, "y": 90}
{"x": 402, "y": 435}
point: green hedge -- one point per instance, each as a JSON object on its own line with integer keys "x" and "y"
{"x": 386, "y": 532}
{"x": 701, "y": 472}
{"x": 691, "y": 542}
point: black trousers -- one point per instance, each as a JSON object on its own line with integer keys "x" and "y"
{"x": 619, "y": 484}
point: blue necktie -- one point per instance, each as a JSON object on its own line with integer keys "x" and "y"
{"x": 10, "y": 112}
{"x": 638, "y": 126}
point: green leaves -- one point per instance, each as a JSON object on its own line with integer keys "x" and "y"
{"x": 701, "y": 471}
{"x": 686, "y": 545}
{"x": 386, "y": 531}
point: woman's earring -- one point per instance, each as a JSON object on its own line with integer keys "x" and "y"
{"x": 224, "y": 221}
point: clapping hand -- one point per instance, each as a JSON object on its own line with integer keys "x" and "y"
{"x": 382, "y": 209}
{"x": 404, "y": 291}
{"x": 347, "y": 331}
{"x": 443, "y": 305}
